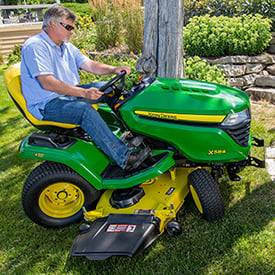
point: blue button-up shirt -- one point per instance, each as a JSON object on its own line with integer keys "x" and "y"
{"x": 41, "y": 56}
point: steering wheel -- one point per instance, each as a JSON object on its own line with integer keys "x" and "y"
{"x": 111, "y": 84}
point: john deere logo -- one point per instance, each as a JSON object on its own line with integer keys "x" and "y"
{"x": 216, "y": 152}
{"x": 39, "y": 155}
{"x": 185, "y": 117}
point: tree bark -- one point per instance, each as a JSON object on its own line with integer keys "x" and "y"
{"x": 162, "y": 53}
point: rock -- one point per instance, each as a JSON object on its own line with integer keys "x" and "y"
{"x": 270, "y": 152}
{"x": 237, "y": 82}
{"x": 270, "y": 167}
{"x": 265, "y": 81}
{"x": 249, "y": 79}
{"x": 264, "y": 72}
{"x": 265, "y": 59}
{"x": 271, "y": 69}
{"x": 254, "y": 68}
{"x": 232, "y": 70}
{"x": 238, "y": 59}
{"x": 257, "y": 93}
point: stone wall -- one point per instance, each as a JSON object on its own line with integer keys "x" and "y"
{"x": 253, "y": 74}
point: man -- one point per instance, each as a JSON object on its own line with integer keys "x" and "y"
{"x": 49, "y": 76}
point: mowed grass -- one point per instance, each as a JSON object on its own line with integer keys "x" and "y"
{"x": 240, "y": 243}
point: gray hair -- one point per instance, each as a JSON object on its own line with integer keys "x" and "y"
{"x": 57, "y": 13}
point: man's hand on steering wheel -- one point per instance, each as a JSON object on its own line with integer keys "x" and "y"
{"x": 118, "y": 70}
{"x": 122, "y": 71}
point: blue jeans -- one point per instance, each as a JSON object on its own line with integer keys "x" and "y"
{"x": 78, "y": 110}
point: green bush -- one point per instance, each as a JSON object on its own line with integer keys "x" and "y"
{"x": 134, "y": 26}
{"x": 109, "y": 30}
{"x": 80, "y": 9}
{"x": 229, "y": 8}
{"x": 198, "y": 69}
{"x": 15, "y": 55}
{"x": 218, "y": 36}
{"x": 84, "y": 36}
{"x": 119, "y": 22}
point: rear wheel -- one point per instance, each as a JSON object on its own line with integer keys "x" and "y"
{"x": 206, "y": 194}
{"x": 53, "y": 195}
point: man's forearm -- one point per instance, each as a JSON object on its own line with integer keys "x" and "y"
{"x": 98, "y": 68}
{"x": 49, "y": 82}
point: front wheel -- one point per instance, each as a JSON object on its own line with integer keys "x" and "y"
{"x": 53, "y": 195}
{"x": 206, "y": 194}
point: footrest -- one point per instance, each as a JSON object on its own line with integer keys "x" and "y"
{"x": 116, "y": 235}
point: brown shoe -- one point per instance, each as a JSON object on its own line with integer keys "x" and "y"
{"x": 136, "y": 158}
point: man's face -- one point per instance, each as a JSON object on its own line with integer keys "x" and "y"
{"x": 64, "y": 29}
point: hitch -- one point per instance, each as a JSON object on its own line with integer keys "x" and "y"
{"x": 259, "y": 142}
{"x": 256, "y": 162}
{"x": 252, "y": 161}
{"x": 234, "y": 169}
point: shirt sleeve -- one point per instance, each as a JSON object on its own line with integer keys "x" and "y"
{"x": 35, "y": 56}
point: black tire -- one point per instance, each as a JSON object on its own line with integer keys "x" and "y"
{"x": 206, "y": 195}
{"x": 53, "y": 195}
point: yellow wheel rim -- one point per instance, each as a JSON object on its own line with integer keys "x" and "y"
{"x": 61, "y": 200}
{"x": 196, "y": 199}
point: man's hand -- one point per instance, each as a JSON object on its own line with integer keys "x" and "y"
{"x": 93, "y": 93}
{"x": 119, "y": 69}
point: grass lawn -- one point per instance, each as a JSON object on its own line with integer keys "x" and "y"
{"x": 240, "y": 243}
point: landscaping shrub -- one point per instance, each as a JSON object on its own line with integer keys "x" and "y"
{"x": 109, "y": 30}
{"x": 133, "y": 22}
{"x": 15, "y": 55}
{"x": 85, "y": 33}
{"x": 108, "y": 25}
{"x": 229, "y": 8}
{"x": 218, "y": 36}
{"x": 118, "y": 22}
{"x": 198, "y": 69}
{"x": 80, "y": 9}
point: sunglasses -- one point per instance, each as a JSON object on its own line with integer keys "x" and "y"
{"x": 66, "y": 26}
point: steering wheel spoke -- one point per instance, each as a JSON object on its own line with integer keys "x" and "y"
{"x": 111, "y": 84}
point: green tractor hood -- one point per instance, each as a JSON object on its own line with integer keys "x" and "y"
{"x": 191, "y": 116}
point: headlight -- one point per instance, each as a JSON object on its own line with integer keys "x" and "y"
{"x": 236, "y": 118}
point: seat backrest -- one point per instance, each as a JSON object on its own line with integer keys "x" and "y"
{"x": 13, "y": 83}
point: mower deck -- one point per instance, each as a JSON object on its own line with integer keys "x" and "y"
{"x": 126, "y": 221}
{"x": 116, "y": 235}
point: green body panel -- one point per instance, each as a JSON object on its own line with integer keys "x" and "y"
{"x": 88, "y": 161}
{"x": 83, "y": 157}
{"x": 141, "y": 177}
{"x": 111, "y": 119}
{"x": 198, "y": 141}
{"x": 191, "y": 97}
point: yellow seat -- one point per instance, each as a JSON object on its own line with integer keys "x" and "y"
{"x": 13, "y": 83}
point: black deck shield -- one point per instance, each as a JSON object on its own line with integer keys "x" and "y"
{"x": 116, "y": 235}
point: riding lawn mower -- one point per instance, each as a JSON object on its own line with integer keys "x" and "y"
{"x": 198, "y": 132}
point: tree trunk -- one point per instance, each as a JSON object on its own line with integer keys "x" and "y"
{"x": 162, "y": 53}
